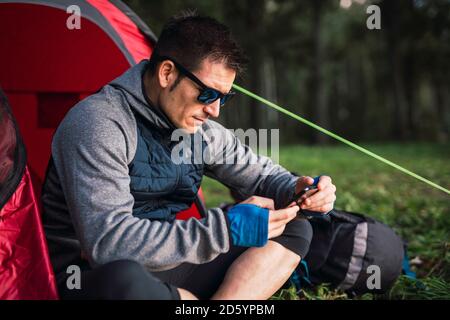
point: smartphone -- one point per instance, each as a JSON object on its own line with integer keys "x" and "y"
{"x": 310, "y": 190}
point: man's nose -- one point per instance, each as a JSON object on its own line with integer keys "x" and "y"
{"x": 213, "y": 109}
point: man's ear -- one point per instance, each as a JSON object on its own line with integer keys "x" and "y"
{"x": 166, "y": 73}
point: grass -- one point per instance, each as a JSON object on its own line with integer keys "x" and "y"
{"x": 417, "y": 211}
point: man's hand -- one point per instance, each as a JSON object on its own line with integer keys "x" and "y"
{"x": 319, "y": 200}
{"x": 260, "y": 202}
{"x": 277, "y": 218}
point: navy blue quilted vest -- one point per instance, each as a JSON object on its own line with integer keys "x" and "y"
{"x": 160, "y": 187}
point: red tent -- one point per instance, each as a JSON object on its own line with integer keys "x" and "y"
{"x": 48, "y": 64}
{"x": 25, "y": 269}
{"x": 47, "y": 67}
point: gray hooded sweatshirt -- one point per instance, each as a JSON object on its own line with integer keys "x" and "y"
{"x": 86, "y": 197}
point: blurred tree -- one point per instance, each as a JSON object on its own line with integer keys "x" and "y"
{"x": 319, "y": 59}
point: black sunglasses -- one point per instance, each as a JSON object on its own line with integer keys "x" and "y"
{"x": 207, "y": 95}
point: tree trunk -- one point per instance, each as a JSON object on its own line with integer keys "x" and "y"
{"x": 318, "y": 103}
{"x": 399, "y": 125}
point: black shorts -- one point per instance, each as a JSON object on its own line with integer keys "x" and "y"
{"x": 130, "y": 280}
{"x": 203, "y": 280}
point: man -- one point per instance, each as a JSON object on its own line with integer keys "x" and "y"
{"x": 113, "y": 188}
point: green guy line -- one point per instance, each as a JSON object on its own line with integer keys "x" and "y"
{"x": 335, "y": 136}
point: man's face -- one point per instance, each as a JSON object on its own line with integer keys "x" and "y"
{"x": 181, "y": 104}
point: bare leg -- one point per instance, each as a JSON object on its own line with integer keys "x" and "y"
{"x": 186, "y": 295}
{"x": 258, "y": 273}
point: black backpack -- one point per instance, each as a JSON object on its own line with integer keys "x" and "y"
{"x": 346, "y": 249}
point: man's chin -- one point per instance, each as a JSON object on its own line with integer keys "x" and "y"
{"x": 192, "y": 129}
{"x": 196, "y": 128}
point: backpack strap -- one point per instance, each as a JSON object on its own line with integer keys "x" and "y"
{"x": 351, "y": 217}
{"x": 300, "y": 276}
{"x": 406, "y": 268}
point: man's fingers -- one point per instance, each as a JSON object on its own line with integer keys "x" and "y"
{"x": 279, "y": 218}
{"x": 261, "y": 202}
{"x": 266, "y": 203}
{"x": 293, "y": 203}
{"x": 283, "y": 215}
{"x": 307, "y": 195}
{"x": 276, "y": 224}
{"x": 324, "y": 182}
{"x": 276, "y": 232}
{"x": 329, "y": 201}
{"x": 323, "y": 209}
{"x": 320, "y": 198}
{"x": 302, "y": 183}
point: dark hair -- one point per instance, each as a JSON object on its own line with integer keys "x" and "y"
{"x": 190, "y": 38}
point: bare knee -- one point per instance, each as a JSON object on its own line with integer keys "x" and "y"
{"x": 186, "y": 295}
{"x": 286, "y": 257}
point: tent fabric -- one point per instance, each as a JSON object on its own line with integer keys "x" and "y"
{"x": 136, "y": 19}
{"x": 49, "y": 62}
{"x": 25, "y": 269}
{"x": 12, "y": 153}
{"x": 133, "y": 39}
{"x": 88, "y": 13}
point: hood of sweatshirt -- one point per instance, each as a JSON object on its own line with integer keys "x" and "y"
{"x": 131, "y": 84}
